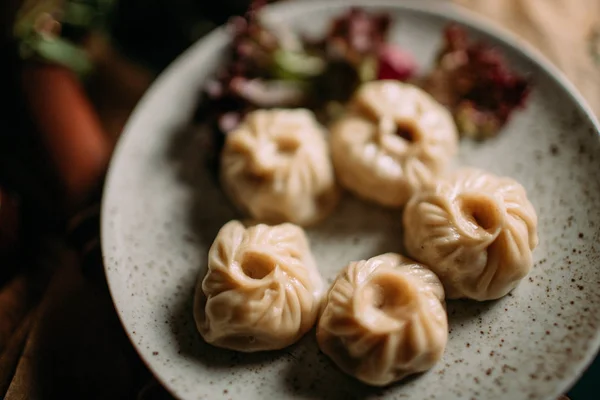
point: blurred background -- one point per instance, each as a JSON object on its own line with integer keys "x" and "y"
{"x": 71, "y": 72}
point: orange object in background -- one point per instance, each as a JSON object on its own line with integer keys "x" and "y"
{"x": 69, "y": 129}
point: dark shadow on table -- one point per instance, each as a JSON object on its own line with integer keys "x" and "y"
{"x": 81, "y": 350}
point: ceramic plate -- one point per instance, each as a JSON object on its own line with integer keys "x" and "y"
{"x": 162, "y": 209}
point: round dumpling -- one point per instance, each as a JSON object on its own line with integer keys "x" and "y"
{"x": 384, "y": 319}
{"x": 275, "y": 166}
{"x": 394, "y": 140}
{"x": 262, "y": 290}
{"x": 476, "y": 231}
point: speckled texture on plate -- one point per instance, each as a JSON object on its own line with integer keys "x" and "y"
{"x": 162, "y": 210}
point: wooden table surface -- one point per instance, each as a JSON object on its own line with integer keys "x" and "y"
{"x": 59, "y": 334}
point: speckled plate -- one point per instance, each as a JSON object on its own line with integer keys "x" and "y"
{"x": 162, "y": 210}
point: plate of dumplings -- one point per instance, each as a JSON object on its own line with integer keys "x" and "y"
{"x": 382, "y": 252}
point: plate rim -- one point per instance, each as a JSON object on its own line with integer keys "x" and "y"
{"x": 446, "y": 9}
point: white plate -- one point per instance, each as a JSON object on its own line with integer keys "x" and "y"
{"x": 161, "y": 211}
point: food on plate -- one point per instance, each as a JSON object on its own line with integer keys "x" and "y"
{"x": 275, "y": 167}
{"x": 476, "y": 83}
{"x": 394, "y": 140}
{"x": 357, "y": 43}
{"x": 269, "y": 65}
{"x": 258, "y": 73}
{"x": 475, "y": 230}
{"x": 262, "y": 290}
{"x": 356, "y": 36}
{"x": 390, "y": 142}
{"x": 384, "y": 319}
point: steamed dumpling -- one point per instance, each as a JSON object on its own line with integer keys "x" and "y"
{"x": 476, "y": 231}
{"x": 262, "y": 290}
{"x": 394, "y": 140}
{"x": 384, "y": 319}
{"x": 275, "y": 166}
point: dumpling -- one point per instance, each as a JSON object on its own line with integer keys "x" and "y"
{"x": 262, "y": 290}
{"x": 394, "y": 140}
{"x": 384, "y": 319}
{"x": 475, "y": 230}
{"x": 275, "y": 166}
